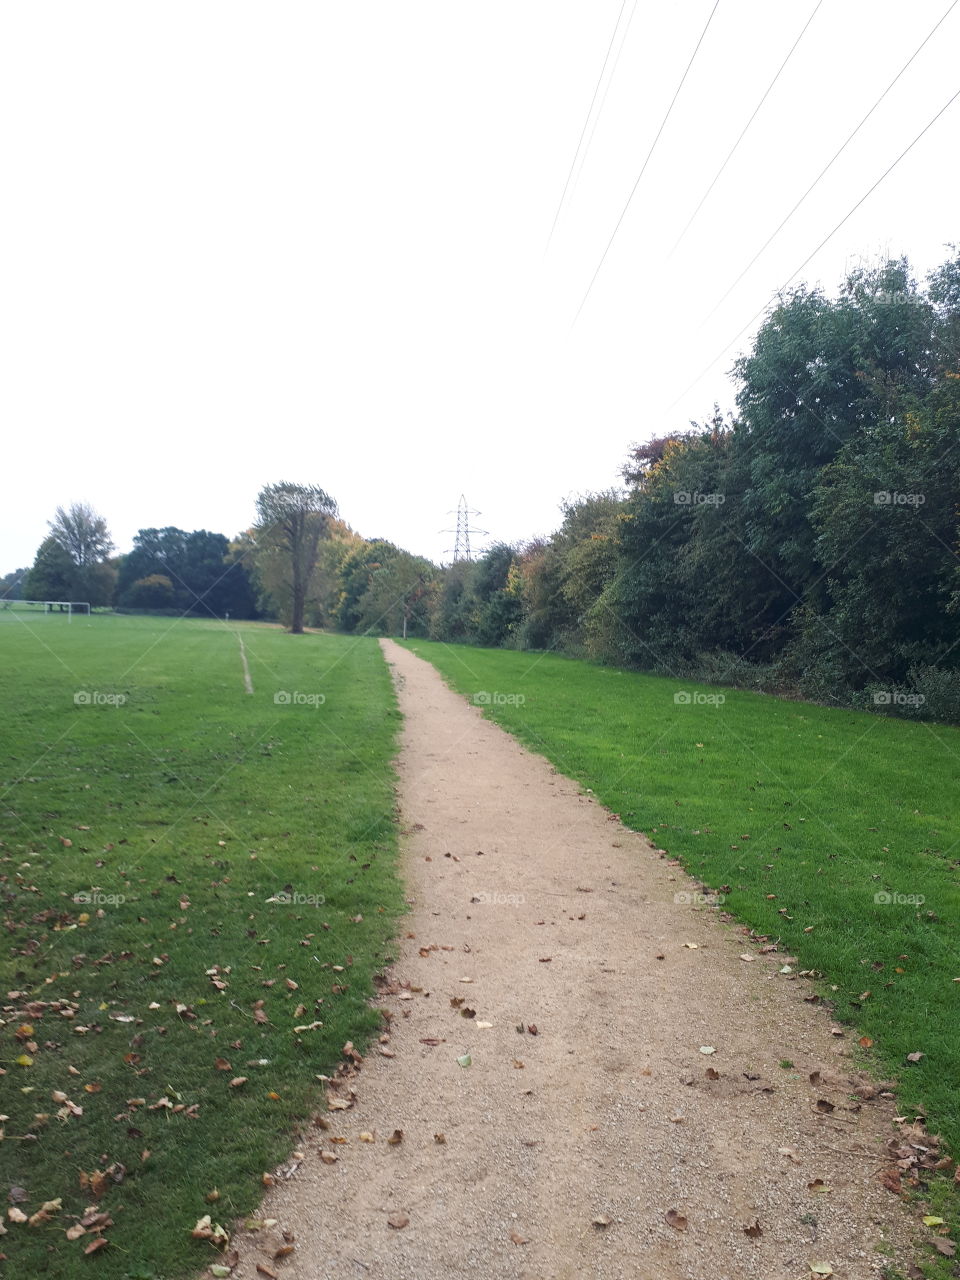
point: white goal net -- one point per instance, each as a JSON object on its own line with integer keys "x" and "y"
{"x": 24, "y": 610}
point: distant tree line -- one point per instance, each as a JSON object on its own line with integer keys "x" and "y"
{"x": 806, "y": 543}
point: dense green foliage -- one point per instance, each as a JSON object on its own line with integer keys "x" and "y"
{"x": 201, "y": 576}
{"x": 181, "y": 865}
{"x": 807, "y": 544}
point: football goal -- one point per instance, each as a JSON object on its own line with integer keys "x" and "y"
{"x": 23, "y": 609}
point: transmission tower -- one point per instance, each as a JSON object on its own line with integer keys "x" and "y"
{"x": 461, "y": 548}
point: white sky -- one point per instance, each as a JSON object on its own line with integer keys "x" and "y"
{"x": 305, "y": 241}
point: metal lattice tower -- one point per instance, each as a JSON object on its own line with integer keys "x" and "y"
{"x": 461, "y": 546}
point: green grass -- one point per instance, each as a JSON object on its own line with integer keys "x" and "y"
{"x": 186, "y": 807}
{"x": 798, "y": 814}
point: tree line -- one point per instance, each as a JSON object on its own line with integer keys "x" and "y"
{"x": 805, "y": 543}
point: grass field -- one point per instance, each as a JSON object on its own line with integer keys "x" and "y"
{"x": 189, "y": 873}
{"x": 837, "y": 832}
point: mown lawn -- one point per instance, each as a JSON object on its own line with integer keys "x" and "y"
{"x": 188, "y": 874}
{"x": 836, "y": 832}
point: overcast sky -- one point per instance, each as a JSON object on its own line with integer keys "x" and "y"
{"x": 245, "y": 242}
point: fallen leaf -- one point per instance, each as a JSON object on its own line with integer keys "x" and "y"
{"x": 755, "y": 1231}
{"x": 237, "y": 1081}
{"x": 398, "y": 1221}
{"x": 440, "y": 1137}
{"x": 367, "y": 1137}
{"x": 707, "y": 1048}
{"x": 674, "y": 1218}
{"x": 75, "y": 1232}
{"x": 395, "y": 1138}
{"x": 601, "y": 1220}
{"x": 101, "y": 1242}
{"x": 817, "y": 1184}
{"x": 915, "y": 1057}
{"x": 820, "y": 1268}
{"x": 329, "y": 1157}
{"x": 517, "y": 1238}
{"x": 464, "y": 1061}
{"x": 946, "y": 1247}
{"x": 825, "y": 1106}
{"x": 712, "y": 1073}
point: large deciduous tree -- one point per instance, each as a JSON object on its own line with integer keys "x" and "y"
{"x": 83, "y": 535}
{"x": 291, "y": 520}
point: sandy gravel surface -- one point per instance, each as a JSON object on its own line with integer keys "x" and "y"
{"x": 585, "y": 1138}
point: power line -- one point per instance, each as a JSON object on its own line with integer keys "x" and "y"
{"x": 603, "y": 101}
{"x": 743, "y": 132}
{"x": 653, "y": 147}
{"x": 810, "y": 256}
{"x": 583, "y": 131}
{"x": 836, "y": 155}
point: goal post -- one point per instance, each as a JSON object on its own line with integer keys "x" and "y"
{"x": 22, "y": 609}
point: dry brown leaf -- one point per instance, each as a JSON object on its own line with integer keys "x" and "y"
{"x": 395, "y": 1138}
{"x": 398, "y": 1221}
{"x": 674, "y": 1218}
{"x": 517, "y": 1238}
{"x": 755, "y": 1231}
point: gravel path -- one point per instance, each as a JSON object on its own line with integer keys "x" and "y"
{"x": 591, "y": 1135}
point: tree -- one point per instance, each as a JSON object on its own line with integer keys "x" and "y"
{"x": 53, "y": 575}
{"x": 84, "y": 536}
{"x": 11, "y": 584}
{"x": 153, "y": 592}
{"x": 291, "y": 520}
{"x": 206, "y": 575}
{"x": 397, "y": 600}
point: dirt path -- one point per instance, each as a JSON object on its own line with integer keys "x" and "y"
{"x": 537, "y": 909}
